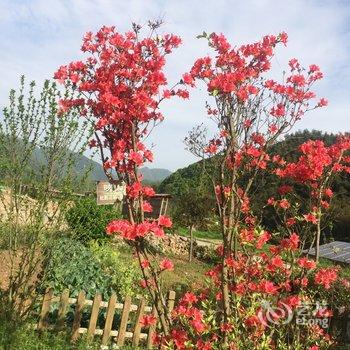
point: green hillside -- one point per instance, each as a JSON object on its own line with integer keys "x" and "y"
{"x": 150, "y": 175}
{"x": 83, "y": 164}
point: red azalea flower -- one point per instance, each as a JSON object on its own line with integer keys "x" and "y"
{"x": 284, "y": 204}
{"x": 147, "y": 207}
{"x": 166, "y": 264}
{"x": 306, "y": 263}
{"x": 189, "y": 298}
{"x": 145, "y": 264}
{"x": 326, "y": 277}
{"x": 310, "y": 218}
{"x": 164, "y": 221}
{"x": 148, "y": 320}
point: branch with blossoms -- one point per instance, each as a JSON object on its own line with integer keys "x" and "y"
{"x": 251, "y": 112}
{"x": 314, "y": 171}
{"x": 119, "y": 88}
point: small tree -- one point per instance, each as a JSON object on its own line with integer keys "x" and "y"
{"x": 38, "y": 155}
{"x": 119, "y": 88}
{"x": 251, "y": 111}
{"x": 192, "y": 209}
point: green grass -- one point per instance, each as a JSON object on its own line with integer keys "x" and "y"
{"x": 198, "y": 234}
{"x": 185, "y": 274}
{"x": 25, "y": 338}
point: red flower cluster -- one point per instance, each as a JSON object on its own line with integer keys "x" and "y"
{"x": 272, "y": 276}
{"x": 316, "y": 159}
{"x": 148, "y": 320}
{"x": 166, "y": 264}
{"x": 236, "y": 75}
{"x": 326, "y": 277}
{"x": 119, "y": 88}
{"x": 120, "y": 84}
{"x": 131, "y": 231}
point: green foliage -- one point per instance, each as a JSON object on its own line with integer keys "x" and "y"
{"x": 88, "y": 221}
{"x": 99, "y": 268}
{"x": 186, "y": 179}
{"x": 37, "y": 152}
{"x": 193, "y": 202}
{"x": 25, "y": 338}
{"x": 193, "y": 209}
{"x": 72, "y": 266}
{"x": 125, "y": 275}
{"x": 39, "y": 148}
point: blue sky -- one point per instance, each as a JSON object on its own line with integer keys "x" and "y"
{"x": 38, "y": 36}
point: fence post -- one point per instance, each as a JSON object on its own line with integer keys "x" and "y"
{"x": 138, "y": 326}
{"x": 171, "y": 301}
{"x": 45, "y": 309}
{"x": 77, "y": 315}
{"x": 61, "y": 317}
{"x": 109, "y": 319}
{"x": 151, "y": 329}
{"x": 94, "y": 316}
{"x": 124, "y": 321}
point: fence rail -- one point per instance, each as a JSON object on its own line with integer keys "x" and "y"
{"x": 126, "y": 330}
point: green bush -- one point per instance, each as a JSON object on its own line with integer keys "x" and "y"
{"x": 124, "y": 273}
{"x": 72, "y": 266}
{"x": 88, "y": 221}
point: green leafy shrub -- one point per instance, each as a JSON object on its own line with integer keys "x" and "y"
{"x": 72, "y": 266}
{"x": 124, "y": 273}
{"x": 88, "y": 221}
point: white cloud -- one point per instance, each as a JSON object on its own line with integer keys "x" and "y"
{"x": 40, "y": 35}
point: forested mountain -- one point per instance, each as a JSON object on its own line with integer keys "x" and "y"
{"x": 151, "y": 175}
{"x": 83, "y": 164}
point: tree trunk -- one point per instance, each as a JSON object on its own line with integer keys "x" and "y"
{"x": 191, "y": 244}
{"x": 318, "y": 238}
{"x": 225, "y": 284}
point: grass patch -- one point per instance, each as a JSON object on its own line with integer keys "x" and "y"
{"x": 25, "y": 338}
{"x": 185, "y": 274}
{"x": 182, "y": 231}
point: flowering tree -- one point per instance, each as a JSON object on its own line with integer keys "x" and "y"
{"x": 251, "y": 111}
{"x": 118, "y": 89}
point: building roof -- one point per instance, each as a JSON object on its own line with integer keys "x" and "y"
{"x": 336, "y": 251}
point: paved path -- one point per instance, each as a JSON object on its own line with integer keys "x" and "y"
{"x": 208, "y": 242}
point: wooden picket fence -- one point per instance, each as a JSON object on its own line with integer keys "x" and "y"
{"x": 126, "y": 330}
